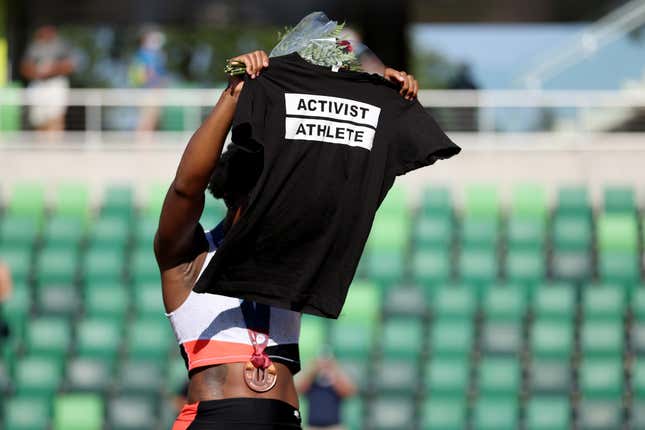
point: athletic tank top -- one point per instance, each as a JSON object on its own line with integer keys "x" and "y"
{"x": 212, "y": 329}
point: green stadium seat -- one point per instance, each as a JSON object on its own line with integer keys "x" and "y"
{"x": 451, "y": 338}
{"x": 350, "y": 339}
{"x": 137, "y": 377}
{"x": 73, "y": 199}
{"x": 37, "y": 376}
{"x": 619, "y": 199}
{"x": 572, "y": 233}
{"x": 107, "y": 300}
{"x": 431, "y": 267}
{"x": 18, "y": 259}
{"x": 617, "y": 233}
{"x": 444, "y": 413}
{"x": 620, "y": 267}
{"x": 148, "y": 301}
{"x": 149, "y": 339}
{"x": 499, "y": 377}
{"x": 98, "y": 338}
{"x": 496, "y": 413}
{"x": 56, "y": 266}
{"x": 155, "y": 197}
{"x": 78, "y": 412}
{"x": 18, "y": 230}
{"x": 574, "y": 201}
{"x": 352, "y": 413}
{"x": 49, "y": 336}
{"x": 457, "y": 302}
{"x": 502, "y": 338}
{"x": 402, "y": 338}
{"x": 555, "y": 302}
{"x": 638, "y": 304}
{"x": 389, "y": 232}
{"x": 601, "y": 414}
{"x": 391, "y": 413}
{"x": 638, "y": 415}
{"x": 26, "y": 413}
{"x": 405, "y": 301}
{"x": 356, "y": 369}
{"x": 603, "y": 302}
{"x": 63, "y": 231}
{"x": 313, "y": 337}
{"x": 529, "y": 201}
{"x": 638, "y": 337}
{"x": 144, "y": 232}
{"x": 118, "y": 201}
{"x": 504, "y": 303}
{"x": 550, "y": 376}
{"x": 638, "y": 378}
{"x": 601, "y": 378}
{"x": 436, "y": 201}
{"x": 103, "y": 265}
{"x": 433, "y": 232}
{"x": 177, "y": 374}
{"x": 481, "y": 201}
{"x": 478, "y": 267}
{"x": 19, "y": 303}
{"x": 571, "y": 266}
{"x": 27, "y": 199}
{"x": 526, "y": 233}
{"x": 131, "y": 413}
{"x": 109, "y": 232}
{"x": 386, "y": 267}
{"x": 602, "y": 338}
{"x": 58, "y": 300}
{"x": 480, "y": 233}
{"x": 447, "y": 376}
{"x": 398, "y": 376}
{"x": 395, "y": 202}
{"x": 144, "y": 267}
{"x": 526, "y": 267}
{"x": 88, "y": 375}
{"x": 548, "y": 413}
{"x": 363, "y": 303}
{"x": 552, "y": 338}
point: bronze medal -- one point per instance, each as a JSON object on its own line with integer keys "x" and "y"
{"x": 258, "y": 379}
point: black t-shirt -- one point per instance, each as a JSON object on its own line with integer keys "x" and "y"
{"x": 333, "y": 143}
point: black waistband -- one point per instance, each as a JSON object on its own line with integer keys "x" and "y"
{"x": 238, "y": 412}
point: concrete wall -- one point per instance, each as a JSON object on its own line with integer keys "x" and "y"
{"x": 549, "y": 159}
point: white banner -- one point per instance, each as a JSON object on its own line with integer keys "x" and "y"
{"x": 329, "y": 131}
{"x": 332, "y": 107}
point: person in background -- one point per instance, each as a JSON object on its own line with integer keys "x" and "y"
{"x": 47, "y": 64}
{"x": 325, "y": 385}
{"x": 6, "y": 287}
{"x": 148, "y": 70}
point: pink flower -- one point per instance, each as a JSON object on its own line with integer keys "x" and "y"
{"x": 346, "y": 44}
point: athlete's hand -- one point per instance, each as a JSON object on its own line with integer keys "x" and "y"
{"x": 409, "y": 85}
{"x": 255, "y": 62}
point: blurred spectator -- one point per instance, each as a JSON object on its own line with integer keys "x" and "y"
{"x": 5, "y": 292}
{"x": 325, "y": 385}
{"x": 47, "y": 65}
{"x": 148, "y": 70}
{"x": 463, "y": 79}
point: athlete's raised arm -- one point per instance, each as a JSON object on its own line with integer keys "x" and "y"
{"x": 184, "y": 201}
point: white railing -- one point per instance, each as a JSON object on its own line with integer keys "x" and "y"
{"x": 573, "y": 111}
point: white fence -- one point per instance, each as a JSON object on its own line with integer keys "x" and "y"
{"x": 457, "y": 111}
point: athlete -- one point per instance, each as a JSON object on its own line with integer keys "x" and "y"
{"x": 241, "y": 355}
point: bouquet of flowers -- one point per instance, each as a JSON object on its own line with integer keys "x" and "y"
{"x": 316, "y": 39}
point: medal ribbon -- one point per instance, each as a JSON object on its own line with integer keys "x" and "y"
{"x": 257, "y": 320}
